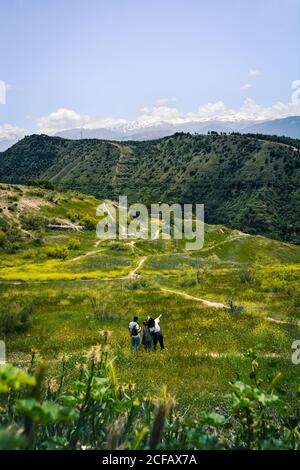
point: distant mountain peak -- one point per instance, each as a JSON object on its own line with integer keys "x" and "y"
{"x": 289, "y": 127}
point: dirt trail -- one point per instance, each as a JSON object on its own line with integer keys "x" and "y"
{"x": 134, "y": 272}
{"x": 275, "y": 320}
{"x": 217, "y": 304}
{"x": 232, "y": 238}
{"x": 88, "y": 253}
{"x": 132, "y": 246}
{"x": 197, "y": 299}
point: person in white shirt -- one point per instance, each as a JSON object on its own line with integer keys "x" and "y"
{"x": 155, "y": 330}
{"x": 134, "y": 331}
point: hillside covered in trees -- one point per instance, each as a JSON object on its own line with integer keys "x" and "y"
{"x": 249, "y": 182}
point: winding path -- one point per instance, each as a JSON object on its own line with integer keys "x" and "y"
{"x": 134, "y": 272}
{"x": 192, "y": 297}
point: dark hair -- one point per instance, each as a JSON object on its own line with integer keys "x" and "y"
{"x": 145, "y": 323}
{"x": 135, "y": 318}
{"x": 151, "y": 322}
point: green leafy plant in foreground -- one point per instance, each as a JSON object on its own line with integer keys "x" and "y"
{"x": 96, "y": 411}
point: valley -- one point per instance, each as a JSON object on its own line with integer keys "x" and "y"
{"x": 240, "y": 291}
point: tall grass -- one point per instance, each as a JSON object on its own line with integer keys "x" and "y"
{"x": 96, "y": 411}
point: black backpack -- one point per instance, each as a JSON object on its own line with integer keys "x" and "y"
{"x": 134, "y": 330}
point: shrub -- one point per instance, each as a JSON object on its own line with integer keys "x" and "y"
{"x": 233, "y": 308}
{"x": 189, "y": 282}
{"x": 13, "y": 234}
{"x": 14, "y": 318}
{"x": 59, "y": 252}
{"x": 13, "y": 198}
{"x": 118, "y": 247}
{"x": 13, "y": 247}
{"x": 201, "y": 276}
{"x": 246, "y": 277}
{"x": 73, "y": 215}
{"x": 46, "y": 184}
{"x": 296, "y": 300}
{"x": 4, "y": 224}
{"x": 74, "y": 244}
{"x": 137, "y": 283}
{"x": 38, "y": 239}
{"x": 89, "y": 223}
{"x": 33, "y": 221}
{"x": 36, "y": 193}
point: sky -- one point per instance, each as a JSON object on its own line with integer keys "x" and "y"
{"x": 134, "y": 63}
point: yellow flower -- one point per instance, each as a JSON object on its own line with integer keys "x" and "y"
{"x": 87, "y": 447}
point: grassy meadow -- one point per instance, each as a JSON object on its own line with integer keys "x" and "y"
{"x": 77, "y": 288}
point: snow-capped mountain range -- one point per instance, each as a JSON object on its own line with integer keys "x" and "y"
{"x": 289, "y": 126}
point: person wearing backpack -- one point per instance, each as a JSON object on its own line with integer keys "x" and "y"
{"x": 146, "y": 336}
{"x": 134, "y": 330}
{"x": 156, "y": 332}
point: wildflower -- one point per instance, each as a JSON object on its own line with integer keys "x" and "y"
{"x": 87, "y": 447}
{"x": 63, "y": 357}
{"x": 53, "y": 385}
{"x": 106, "y": 334}
{"x": 94, "y": 354}
{"x": 131, "y": 386}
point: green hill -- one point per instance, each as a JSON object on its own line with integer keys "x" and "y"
{"x": 61, "y": 288}
{"x": 247, "y": 182}
{"x": 38, "y": 227}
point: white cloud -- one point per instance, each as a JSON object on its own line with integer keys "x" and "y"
{"x": 246, "y": 86}
{"x": 63, "y": 118}
{"x": 10, "y": 132}
{"x": 254, "y": 72}
{"x": 156, "y": 114}
{"x": 249, "y": 110}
